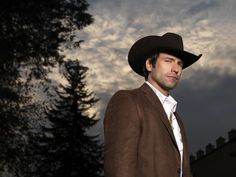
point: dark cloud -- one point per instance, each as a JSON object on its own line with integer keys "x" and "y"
{"x": 207, "y": 105}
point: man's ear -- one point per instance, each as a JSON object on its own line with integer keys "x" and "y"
{"x": 148, "y": 65}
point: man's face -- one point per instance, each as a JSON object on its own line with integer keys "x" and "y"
{"x": 166, "y": 74}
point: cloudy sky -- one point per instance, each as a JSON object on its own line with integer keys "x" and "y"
{"x": 206, "y": 94}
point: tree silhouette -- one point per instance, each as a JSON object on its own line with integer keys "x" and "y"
{"x": 68, "y": 149}
{"x": 33, "y": 30}
{"x": 32, "y": 34}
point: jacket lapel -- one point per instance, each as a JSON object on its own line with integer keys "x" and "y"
{"x": 184, "y": 139}
{"x": 152, "y": 97}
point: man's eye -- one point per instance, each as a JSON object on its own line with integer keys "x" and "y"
{"x": 181, "y": 64}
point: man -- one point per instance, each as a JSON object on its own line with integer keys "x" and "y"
{"x": 144, "y": 136}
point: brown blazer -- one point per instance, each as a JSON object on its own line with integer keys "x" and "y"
{"x": 139, "y": 141}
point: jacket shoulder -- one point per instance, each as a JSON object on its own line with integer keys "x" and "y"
{"x": 126, "y": 96}
{"x": 129, "y": 93}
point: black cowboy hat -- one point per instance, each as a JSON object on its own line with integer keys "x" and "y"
{"x": 169, "y": 43}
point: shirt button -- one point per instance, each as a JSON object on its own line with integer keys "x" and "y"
{"x": 178, "y": 171}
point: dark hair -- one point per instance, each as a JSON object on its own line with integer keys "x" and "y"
{"x": 152, "y": 59}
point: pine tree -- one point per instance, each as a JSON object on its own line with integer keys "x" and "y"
{"x": 69, "y": 151}
{"x": 31, "y": 35}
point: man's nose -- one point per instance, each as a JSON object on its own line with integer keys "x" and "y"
{"x": 175, "y": 67}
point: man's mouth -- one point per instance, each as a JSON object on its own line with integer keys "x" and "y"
{"x": 172, "y": 77}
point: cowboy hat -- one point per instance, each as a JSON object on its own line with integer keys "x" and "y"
{"x": 169, "y": 43}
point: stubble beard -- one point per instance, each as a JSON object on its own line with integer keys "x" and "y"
{"x": 165, "y": 85}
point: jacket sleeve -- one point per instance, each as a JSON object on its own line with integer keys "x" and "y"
{"x": 121, "y": 133}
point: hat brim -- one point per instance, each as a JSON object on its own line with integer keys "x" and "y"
{"x": 143, "y": 49}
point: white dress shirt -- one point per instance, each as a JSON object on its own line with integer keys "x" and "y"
{"x": 169, "y": 105}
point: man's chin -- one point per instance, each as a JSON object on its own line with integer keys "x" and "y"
{"x": 171, "y": 86}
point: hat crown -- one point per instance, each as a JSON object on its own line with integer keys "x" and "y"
{"x": 172, "y": 40}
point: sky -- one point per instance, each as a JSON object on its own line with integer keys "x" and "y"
{"x": 206, "y": 93}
